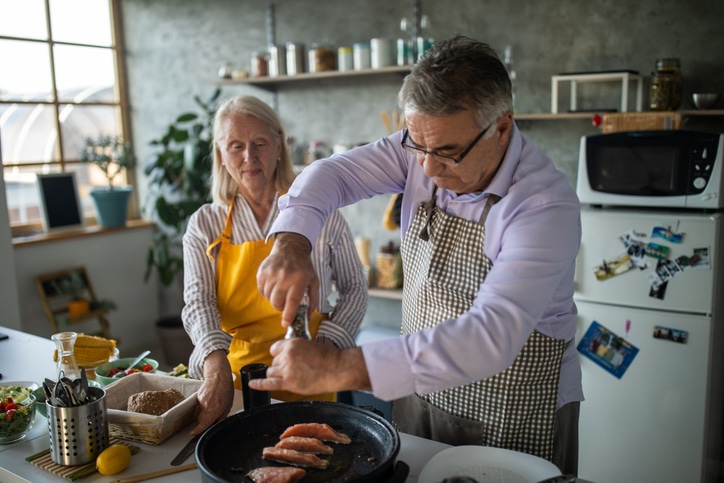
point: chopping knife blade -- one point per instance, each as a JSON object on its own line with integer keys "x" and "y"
{"x": 186, "y": 451}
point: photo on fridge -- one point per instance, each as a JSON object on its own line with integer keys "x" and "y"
{"x": 608, "y": 350}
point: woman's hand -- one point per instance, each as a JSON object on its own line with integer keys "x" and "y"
{"x": 216, "y": 395}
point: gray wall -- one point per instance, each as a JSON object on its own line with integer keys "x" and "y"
{"x": 175, "y": 47}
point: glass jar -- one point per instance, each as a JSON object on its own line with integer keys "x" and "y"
{"x": 65, "y": 346}
{"x": 666, "y": 91}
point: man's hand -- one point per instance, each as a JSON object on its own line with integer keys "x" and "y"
{"x": 306, "y": 367}
{"x": 216, "y": 394}
{"x": 286, "y": 273}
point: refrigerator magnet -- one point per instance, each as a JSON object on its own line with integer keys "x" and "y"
{"x": 667, "y": 234}
{"x": 612, "y": 267}
{"x": 674, "y": 335}
{"x": 612, "y": 353}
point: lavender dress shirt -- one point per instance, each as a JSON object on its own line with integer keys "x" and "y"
{"x": 532, "y": 237}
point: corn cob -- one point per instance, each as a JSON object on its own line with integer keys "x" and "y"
{"x": 91, "y": 351}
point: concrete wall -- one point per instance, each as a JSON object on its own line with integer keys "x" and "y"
{"x": 175, "y": 48}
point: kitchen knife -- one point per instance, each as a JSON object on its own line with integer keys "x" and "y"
{"x": 185, "y": 452}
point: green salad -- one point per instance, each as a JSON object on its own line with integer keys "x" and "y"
{"x": 16, "y": 410}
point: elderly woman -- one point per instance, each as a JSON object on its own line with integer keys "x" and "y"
{"x": 230, "y": 323}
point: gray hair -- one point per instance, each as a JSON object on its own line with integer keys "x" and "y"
{"x": 456, "y": 75}
{"x": 223, "y": 186}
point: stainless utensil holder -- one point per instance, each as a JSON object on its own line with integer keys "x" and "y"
{"x": 78, "y": 434}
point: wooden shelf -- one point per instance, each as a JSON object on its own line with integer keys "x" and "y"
{"x": 549, "y": 116}
{"x": 271, "y": 83}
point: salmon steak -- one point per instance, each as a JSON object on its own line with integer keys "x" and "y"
{"x": 321, "y": 431}
{"x": 304, "y": 445}
{"x": 291, "y": 457}
{"x": 276, "y": 474}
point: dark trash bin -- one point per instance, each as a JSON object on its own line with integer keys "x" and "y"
{"x": 175, "y": 342}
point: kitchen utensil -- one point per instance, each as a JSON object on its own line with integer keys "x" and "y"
{"x": 186, "y": 451}
{"x": 156, "y": 474}
{"x": 705, "y": 100}
{"x": 237, "y": 442}
{"x": 132, "y": 365}
{"x": 300, "y": 326}
{"x": 487, "y": 464}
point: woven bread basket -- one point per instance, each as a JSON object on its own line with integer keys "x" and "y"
{"x": 145, "y": 427}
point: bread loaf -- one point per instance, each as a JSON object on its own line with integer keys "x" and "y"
{"x": 154, "y": 402}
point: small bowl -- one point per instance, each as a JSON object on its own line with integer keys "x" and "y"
{"x": 39, "y": 394}
{"x": 705, "y": 100}
{"x": 21, "y": 422}
{"x": 103, "y": 370}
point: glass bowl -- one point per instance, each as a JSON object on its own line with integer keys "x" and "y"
{"x": 16, "y": 426}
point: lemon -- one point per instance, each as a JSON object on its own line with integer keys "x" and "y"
{"x": 113, "y": 459}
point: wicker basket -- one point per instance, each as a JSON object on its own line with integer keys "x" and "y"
{"x": 145, "y": 427}
{"x": 640, "y": 121}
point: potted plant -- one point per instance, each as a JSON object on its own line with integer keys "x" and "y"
{"x": 111, "y": 155}
{"x": 74, "y": 287}
{"x": 179, "y": 183}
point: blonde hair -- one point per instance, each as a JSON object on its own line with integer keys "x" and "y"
{"x": 223, "y": 186}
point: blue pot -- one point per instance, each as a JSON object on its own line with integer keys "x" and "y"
{"x": 111, "y": 206}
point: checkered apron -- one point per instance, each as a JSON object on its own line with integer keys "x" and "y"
{"x": 444, "y": 266}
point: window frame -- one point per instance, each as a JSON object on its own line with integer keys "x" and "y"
{"x": 120, "y": 103}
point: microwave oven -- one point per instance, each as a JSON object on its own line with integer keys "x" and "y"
{"x": 666, "y": 169}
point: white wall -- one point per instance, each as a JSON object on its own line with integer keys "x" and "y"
{"x": 116, "y": 264}
{"x": 8, "y": 290}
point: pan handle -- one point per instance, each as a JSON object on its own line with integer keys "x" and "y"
{"x": 402, "y": 470}
{"x": 374, "y": 410}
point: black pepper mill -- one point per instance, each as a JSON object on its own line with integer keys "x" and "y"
{"x": 300, "y": 326}
{"x": 252, "y": 397}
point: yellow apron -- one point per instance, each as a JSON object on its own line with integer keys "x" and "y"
{"x": 245, "y": 313}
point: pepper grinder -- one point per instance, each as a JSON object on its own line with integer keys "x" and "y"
{"x": 300, "y": 326}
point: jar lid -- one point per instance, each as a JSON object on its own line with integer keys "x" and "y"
{"x": 345, "y": 50}
{"x": 669, "y": 62}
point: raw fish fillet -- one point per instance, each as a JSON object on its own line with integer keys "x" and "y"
{"x": 276, "y": 474}
{"x": 291, "y": 457}
{"x": 321, "y": 431}
{"x": 304, "y": 445}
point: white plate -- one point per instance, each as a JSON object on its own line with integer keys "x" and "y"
{"x": 487, "y": 465}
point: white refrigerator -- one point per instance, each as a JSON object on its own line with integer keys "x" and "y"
{"x": 648, "y": 291}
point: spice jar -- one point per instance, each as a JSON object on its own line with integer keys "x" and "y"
{"x": 322, "y": 58}
{"x": 389, "y": 267}
{"x": 666, "y": 91}
{"x": 259, "y": 66}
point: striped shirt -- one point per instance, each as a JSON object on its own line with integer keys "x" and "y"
{"x": 334, "y": 257}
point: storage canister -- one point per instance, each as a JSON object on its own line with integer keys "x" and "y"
{"x": 361, "y": 54}
{"x": 295, "y": 58}
{"x": 344, "y": 59}
{"x": 321, "y": 58}
{"x": 277, "y": 60}
{"x": 666, "y": 91}
{"x": 259, "y": 66}
{"x": 380, "y": 53}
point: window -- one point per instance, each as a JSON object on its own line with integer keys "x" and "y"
{"x": 61, "y": 82}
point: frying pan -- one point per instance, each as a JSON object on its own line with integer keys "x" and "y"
{"x": 227, "y": 451}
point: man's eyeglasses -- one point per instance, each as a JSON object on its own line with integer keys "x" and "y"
{"x": 442, "y": 158}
